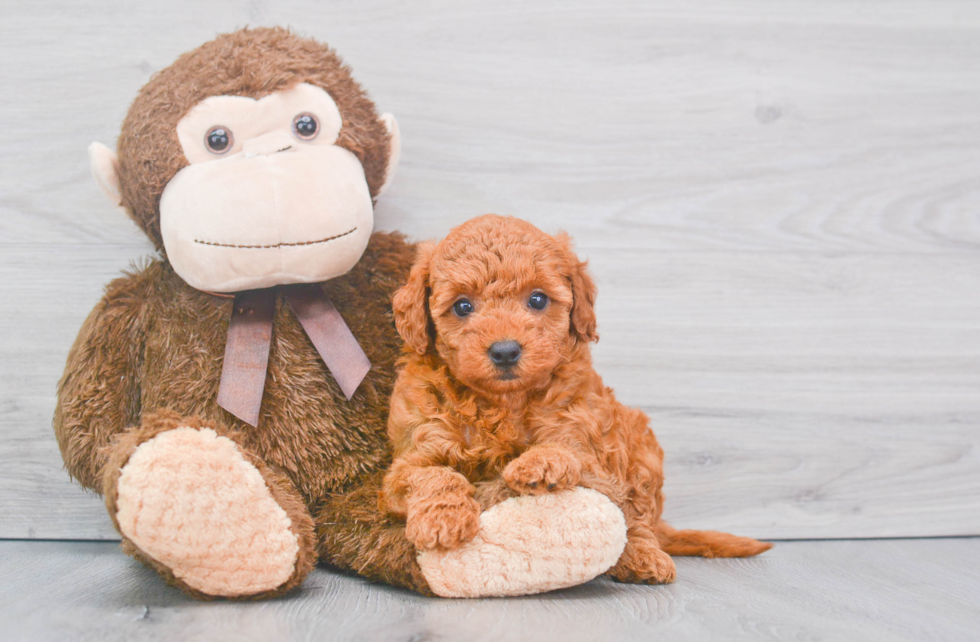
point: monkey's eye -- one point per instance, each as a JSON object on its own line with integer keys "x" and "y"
{"x": 463, "y": 308}
{"x": 219, "y": 139}
{"x": 306, "y": 126}
{"x": 538, "y": 300}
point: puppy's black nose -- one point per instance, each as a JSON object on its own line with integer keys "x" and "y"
{"x": 505, "y": 354}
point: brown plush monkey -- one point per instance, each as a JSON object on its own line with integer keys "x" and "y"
{"x": 252, "y": 163}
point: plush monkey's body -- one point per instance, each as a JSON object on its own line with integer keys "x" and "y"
{"x": 149, "y": 357}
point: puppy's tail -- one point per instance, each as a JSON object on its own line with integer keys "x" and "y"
{"x": 707, "y": 543}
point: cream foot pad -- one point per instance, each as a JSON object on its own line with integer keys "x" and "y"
{"x": 531, "y": 544}
{"x": 190, "y": 500}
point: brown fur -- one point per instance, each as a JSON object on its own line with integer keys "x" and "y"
{"x": 249, "y": 62}
{"x": 455, "y": 421}
{"x": 150, "y": 354}
{"x": 153, "y": 347}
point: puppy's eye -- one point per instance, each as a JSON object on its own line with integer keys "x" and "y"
{"x": 463, "y": 308}
{"x": 218, "y": 139}
{"x": 538, "y": 300}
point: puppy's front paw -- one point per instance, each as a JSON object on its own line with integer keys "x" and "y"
{"x": 543, "y": 469}
{"x": 442, "y": 522}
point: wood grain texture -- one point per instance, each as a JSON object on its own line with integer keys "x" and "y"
{"x": 833, "y": 590}
{"x": 779, "y": 200}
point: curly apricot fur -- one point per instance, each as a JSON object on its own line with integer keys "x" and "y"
{"x": 545, "y": 424}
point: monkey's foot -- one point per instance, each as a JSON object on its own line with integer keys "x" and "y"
{"x": 531, "y": 544}
{"x": 193, "y": 506}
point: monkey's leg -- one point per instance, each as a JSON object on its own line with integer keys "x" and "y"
{"x": 525, "y": 545}
{"x": 204, "y": 512}
{"x": 354, "y": 534}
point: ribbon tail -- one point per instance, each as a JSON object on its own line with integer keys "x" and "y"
{"x": 333, "y": 340}
{"x": 247, "y": 354}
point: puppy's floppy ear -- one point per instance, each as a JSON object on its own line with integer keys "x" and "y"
{"x": 411, "y": 302}
{"x": 583, "y": 292}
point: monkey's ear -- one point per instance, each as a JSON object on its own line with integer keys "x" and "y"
{"x": 411, "y": 302}
{"x": 105, "y": 169}
{"x": 583, "y": 320}
{"x": 394, "y": 150}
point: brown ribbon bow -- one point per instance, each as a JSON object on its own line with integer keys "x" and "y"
{"x": 250, "y": 338}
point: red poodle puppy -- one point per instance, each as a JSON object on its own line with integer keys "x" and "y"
{"x": 497, "y": 392}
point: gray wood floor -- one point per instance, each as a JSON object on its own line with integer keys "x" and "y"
{"x": 832, "y": 590}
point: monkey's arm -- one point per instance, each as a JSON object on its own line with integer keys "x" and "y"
{"x": 99, "y": 394}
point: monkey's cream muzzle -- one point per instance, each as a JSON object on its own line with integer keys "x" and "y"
{"x": 256, "y": 221}
{"x": 273, "y": 207}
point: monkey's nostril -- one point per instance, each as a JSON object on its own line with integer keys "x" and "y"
{"x": 505, "y": 354}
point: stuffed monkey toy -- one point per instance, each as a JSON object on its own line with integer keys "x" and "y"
{"x": 229, "y": 397}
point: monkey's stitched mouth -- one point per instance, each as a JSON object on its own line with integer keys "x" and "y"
{"x": 254, "y": 154}
{"x": 267, "y": 247}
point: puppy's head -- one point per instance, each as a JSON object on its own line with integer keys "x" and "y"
{"x": 500, "y": 301}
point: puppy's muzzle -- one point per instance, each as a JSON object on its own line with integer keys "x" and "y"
{"x": 505, "y": 354}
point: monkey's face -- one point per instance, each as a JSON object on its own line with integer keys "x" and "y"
{"x": 268, "y": 197}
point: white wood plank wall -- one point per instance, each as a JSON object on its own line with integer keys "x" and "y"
{"x": 780, "y": 201}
